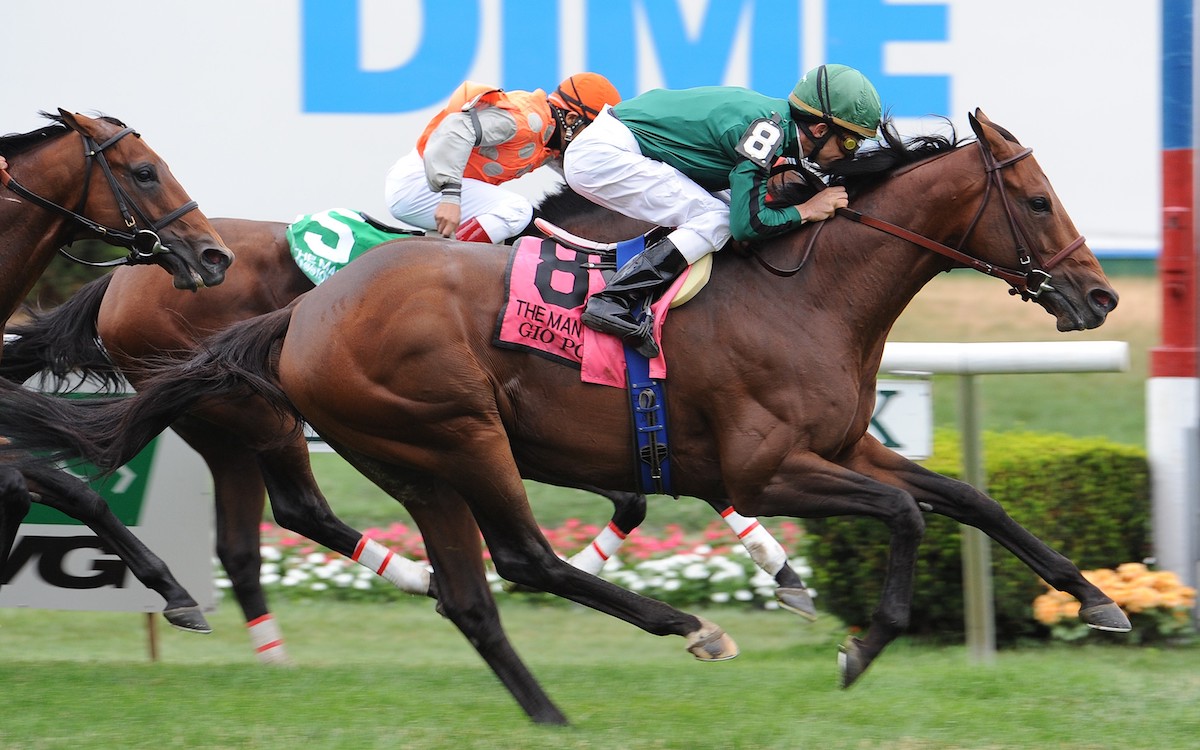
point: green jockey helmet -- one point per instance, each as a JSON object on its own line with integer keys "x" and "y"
{"x": 841, "y": 95}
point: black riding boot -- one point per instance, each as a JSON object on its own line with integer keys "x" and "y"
{"x": 623, "y": 307}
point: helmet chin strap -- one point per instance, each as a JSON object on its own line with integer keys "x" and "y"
{"x": 818, "y": 142}
{"x": 567, "y": 132}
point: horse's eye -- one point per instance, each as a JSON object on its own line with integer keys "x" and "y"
{"x": 1039, "y": 204}
{"x": 145, "y": 173}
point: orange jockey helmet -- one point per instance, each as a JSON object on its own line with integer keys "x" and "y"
{"x": 585, "y": 94}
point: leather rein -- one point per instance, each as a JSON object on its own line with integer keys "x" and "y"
{"x": 143, "y": 244}
{"x": 1027, "y": 281}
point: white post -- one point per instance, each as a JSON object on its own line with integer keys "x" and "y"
{"x": 979, "y": 607}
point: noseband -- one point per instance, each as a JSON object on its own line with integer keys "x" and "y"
{"x": 143, "y": 244}
{"x": 1027, "y": 280}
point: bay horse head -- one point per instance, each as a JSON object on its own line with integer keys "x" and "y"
{"x": 1020, "y": 232}
{"x": 115, "y": 188}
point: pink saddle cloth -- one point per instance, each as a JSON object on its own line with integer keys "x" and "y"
{"x": 547, "y": 287}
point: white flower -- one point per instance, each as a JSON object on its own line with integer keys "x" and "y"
{"x": 720, "y": 597}
{"x": 762, "y": 578}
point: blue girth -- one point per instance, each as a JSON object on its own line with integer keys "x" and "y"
{"x": 649, "y": 407}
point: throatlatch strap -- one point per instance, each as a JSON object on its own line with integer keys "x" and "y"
{"x": 649, "y": 407}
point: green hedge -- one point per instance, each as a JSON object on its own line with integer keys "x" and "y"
{"x": 1087, "y": 498}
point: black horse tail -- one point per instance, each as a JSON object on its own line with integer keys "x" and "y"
{"x": 62, "y": 341}
{"x": 239, "y": 362}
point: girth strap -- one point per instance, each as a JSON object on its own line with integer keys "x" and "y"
{"x": 648, "y": 406}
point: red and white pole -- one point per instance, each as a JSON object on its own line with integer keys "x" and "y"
{"x": 1173, "y": 391}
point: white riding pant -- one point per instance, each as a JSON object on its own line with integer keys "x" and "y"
{"x": 605, "y": 164}
{"x": 502, "y": 213}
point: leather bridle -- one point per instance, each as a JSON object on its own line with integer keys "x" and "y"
{"x": 143, "y": 244}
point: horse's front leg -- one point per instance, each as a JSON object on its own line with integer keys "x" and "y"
{"x": 629, "y": 510}
{"x": 808, "y": 486}
{"x": 967, "y": 505}
{"x": 299, "y": 505}
{"x": 768, "y": 554}
{"x": 14, "y": 506}
{"x": 239, "y": 495}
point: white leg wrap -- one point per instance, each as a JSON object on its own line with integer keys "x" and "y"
{"x": 267, "y": 640}
{"x": 404, "y": 574}
{"x": 592, "y": 557}
{"x": 767, "y": 553}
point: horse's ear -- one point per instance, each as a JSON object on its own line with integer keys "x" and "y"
{"x": 977, "y": 119}
{"x": 69, "y": 119}
{"x": 976, "y": 125}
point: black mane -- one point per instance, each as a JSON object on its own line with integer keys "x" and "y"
{"x": 17, "y": 143}
{"x": 874, "y": 165}
{"x": 558, "y": 206}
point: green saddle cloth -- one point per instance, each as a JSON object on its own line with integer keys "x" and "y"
{"x": 324, "y": 242}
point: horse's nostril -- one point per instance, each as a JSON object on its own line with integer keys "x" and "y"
{"x": 1104, "y": 300}
{"x": 217, "y": 257}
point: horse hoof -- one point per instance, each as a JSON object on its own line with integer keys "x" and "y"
{"x": 1106, "y": 617}
{"x": 713, "y": 645}
{"x": 190, "y": 619}
{"x": 796, "y": 600}
{"x": 852, "y": 661}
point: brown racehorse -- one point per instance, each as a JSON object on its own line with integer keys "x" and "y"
{"x": 411, "y": 391}
{"x": 138, "y": 317}
{"x": 83, "y": 177}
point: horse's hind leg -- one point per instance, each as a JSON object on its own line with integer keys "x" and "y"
{"x": 71, "y": 496}
{"x": 483, "y": 471}
{"x": 452, "y": 540}
{"x": 299, "y": 505}
{"x": 453, "y": 543}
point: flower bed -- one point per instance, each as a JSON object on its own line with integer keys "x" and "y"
{"x": 1158, "y": 604}
{"x": 679, "y": 568}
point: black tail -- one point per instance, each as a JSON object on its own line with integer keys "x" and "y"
{"x": 60, "y": 342}
{"x": 108, "y": 432}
